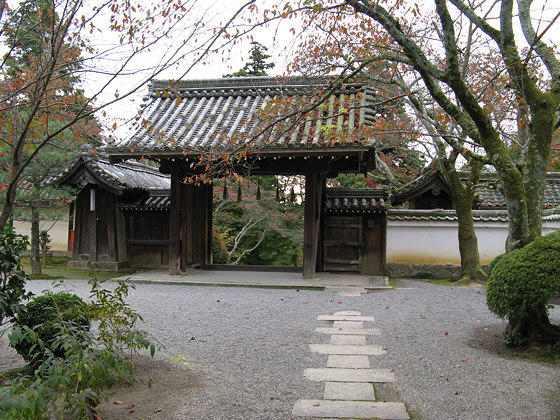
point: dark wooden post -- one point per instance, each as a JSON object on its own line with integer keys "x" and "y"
{"x": 174, "y": 220}
{"x": 314, "y": 185}
{"x": 92, "y": 219}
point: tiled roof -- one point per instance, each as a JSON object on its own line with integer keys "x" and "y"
{"x": 446, "y": 215}
{"x": 155, "y": 200}
{"x": 431, "y": 179}
{"x": 488, "y": 192}
{"x": 356, "y": 200}
{"x": 451, "y": 216}
{"x": 119, "y": 177}
{"x": 223, "y": 114}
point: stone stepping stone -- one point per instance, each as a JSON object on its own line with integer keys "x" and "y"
{"x": 350, "y": 409}
{"x": 349, "y": 375}
{"x": 348, "y": 324}
{"x": 346, "y": 349}
{"x": 345, "y": 361}
{"x": 349, "y": 391}
{"x": 348, "y": 331}
{"x": 351, "y": 318}
{"x": 348, "y": 313}
{"x": 349, "y": 339}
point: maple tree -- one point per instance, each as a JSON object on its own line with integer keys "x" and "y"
{"x": 100, "y": 44}
{"x": 35, "y": 21}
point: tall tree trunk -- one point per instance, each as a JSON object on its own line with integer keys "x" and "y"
{"x": 463, "y": 197}
{"x": 35, "y": 242}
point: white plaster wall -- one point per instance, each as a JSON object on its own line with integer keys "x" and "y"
{"x": 421, "y": 242}
{"x": 58, "y": 232}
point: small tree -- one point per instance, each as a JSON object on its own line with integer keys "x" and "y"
{"x": 257, "y": 65}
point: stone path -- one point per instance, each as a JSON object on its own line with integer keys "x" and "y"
{"x": 348, "y": 377}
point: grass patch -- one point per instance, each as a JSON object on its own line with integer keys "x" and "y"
{"x": 46, "y": 277}
{"x": 56, "y": 269}
{"x": 538, "y": 354}
{"x": 442, "y": 282}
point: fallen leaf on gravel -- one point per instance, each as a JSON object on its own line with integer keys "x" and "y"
{"x": 157, "y": 411}
{"x": 422, "y": 317}
{"x": 192, "y": 338}
{"x": 131, "y": 411}
{"x": 456, "y": 392}
{"x": 315, "y": 405}
{"x": 445, "y": 333}
{"x": 464, "y": 360}
{"x": 441, "y": 376}
{"x": 246, "y": 317}
{"x": 338, "y": 302}
{"x": 424, "y": 365}
{"x": 117, "y": 402}
{"x": 130, "y": 406}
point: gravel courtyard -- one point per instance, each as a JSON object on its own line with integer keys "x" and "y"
{"x": 247, "y": 349}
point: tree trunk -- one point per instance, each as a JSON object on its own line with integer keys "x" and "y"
{"x": 533, "y": 329}
{"x": 35, "y": 243}
{"x": 468, "y": 242}
{"x": 543, "y": 118}
{"x": 463, "y": 197}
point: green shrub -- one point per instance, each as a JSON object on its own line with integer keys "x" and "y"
{"x": 494, "y": 262}
{"x": 49, "y": 316}
{"x": 71, "y": 385}
{"x": 12, "y": 276}
{"x": 522, "y": 281}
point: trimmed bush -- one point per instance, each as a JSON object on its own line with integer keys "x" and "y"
{"x": 49, "y": 317}
{"x": 494, "y": 262}
{"x": 523, "y": 281}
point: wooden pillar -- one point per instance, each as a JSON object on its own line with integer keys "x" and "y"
{"x": 92, "y": 224}
{"x": 71, "y": 208}
{"x": 314, "y": 186}
{"x": 209, "y": 223}
{"x": 175, "y": 220}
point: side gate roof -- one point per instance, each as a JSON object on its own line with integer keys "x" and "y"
{"x": 119, "y": 178}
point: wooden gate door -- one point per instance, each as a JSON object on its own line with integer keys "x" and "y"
{"x": 343, "y": 243}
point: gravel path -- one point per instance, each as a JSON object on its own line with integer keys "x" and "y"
{"x": 251, "y": 346}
